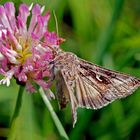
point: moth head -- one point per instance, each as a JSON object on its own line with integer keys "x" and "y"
{"x": 56, "y": 50}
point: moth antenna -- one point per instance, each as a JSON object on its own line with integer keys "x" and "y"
{"x": 54, "y": 49}
{"x": 56, "y": 23}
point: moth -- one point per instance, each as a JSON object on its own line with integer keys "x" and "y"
{"x": 87, "y": 85}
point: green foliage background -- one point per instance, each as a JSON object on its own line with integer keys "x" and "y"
{"x": 106, "y": 32}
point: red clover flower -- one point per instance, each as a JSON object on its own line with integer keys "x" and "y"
{"x": 25, "y": 51}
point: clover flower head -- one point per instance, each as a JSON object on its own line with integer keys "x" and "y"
{"x": 25, "y": 51}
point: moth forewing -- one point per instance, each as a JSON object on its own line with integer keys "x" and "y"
{"x": 110, "y": 84}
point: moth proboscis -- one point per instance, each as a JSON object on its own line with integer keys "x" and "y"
{"x": 87, "y": 85}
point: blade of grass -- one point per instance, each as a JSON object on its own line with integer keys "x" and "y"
{"x": 105, "y": 39}
{"x": 54, "y": 116}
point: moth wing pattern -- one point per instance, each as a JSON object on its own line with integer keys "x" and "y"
{"x": 108, "y": 85}
{"x": 92, "y": 86}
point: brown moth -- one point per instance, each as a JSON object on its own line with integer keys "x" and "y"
{"x": 87, "y": 85}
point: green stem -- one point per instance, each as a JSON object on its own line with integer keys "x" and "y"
{"x": 54, "y": 116}
{"x": 15, "y": 118}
